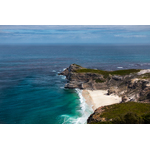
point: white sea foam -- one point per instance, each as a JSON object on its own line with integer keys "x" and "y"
{"x": 63, "y": 77}
{"x": 67, "y": 119}
{"x": 54, "y": 71}
{"x": 62, "y": 87}
{"x": 119, "y": 67}
{"x": 86, "y": 110}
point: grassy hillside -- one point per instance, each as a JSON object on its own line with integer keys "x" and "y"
{"x": 126, "y": 113}
{"x": 106, "y": 73}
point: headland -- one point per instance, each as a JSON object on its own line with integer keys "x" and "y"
{"x": 105, "y": 88}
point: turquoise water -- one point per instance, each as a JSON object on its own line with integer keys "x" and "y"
{"x": 32, "y": 92}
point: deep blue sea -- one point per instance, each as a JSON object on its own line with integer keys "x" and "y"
{"x": 31, "y": 92}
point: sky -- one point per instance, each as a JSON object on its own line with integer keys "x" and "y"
{"x": 63, "y": 34}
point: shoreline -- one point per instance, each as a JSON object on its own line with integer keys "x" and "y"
{"x": 102, "y": 88}
{"x": 88, "y": 99}
{"x": 98, "y": 98}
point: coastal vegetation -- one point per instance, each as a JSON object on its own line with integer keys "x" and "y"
{"x": 99, "y": 80}
{"x": 145, "y": 76}
{"x": 106, "y": 73}
{"x": 123, "y": 113}
{"x": 77, "y": 65}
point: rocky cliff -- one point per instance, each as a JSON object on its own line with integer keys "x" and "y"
{"x": 131, "y": 85}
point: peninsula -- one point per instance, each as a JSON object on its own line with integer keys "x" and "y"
{"x": 121, "y": 96}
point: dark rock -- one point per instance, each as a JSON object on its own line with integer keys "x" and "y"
{"x": 65, "y": 72}
{"x": 117, "y": 78}
{"x": 145, "y": 84}
{"x": 74, "y": 67}
{"x": 95, "y": 117}
{"x": 145, "y": 94}
{"x": 133, "y": 83}
{"x": 112, "y": 90}
{"x": 124, "y": 99}
{"x": 74, "y": 84}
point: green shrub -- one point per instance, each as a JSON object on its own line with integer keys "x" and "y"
{"x": 99, "y": 80}
{"x": 145, "y": 76}
{"x": 106, "y": 73}
{"x": 132, "y": 118}
{"x": 119, "y": 120}
{"x": 126, "y": 113}
{"x": 128, "y": 118}
{"x": 146, "y": 118}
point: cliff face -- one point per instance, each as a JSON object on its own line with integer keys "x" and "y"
{"x": 80, "y": 80}
{"x": 131, "y": 85}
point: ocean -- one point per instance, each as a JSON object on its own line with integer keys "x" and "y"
{"x": 32, "y": 92}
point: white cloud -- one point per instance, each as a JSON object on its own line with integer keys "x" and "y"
{"x": 79, "y": 27}
{"x": 130, "y": 36}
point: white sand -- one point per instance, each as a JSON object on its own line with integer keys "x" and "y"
{"x": 99, "y": 98}
{"x": 144, "y": 71}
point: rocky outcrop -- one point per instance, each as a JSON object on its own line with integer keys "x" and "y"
{"x": 83, "y": 80}
{"x": 143, "y": 71}
{"x": 124, "y": 99}
{"x": 112, "y": 90}
{"x": 131, "y": 87}
{"x": 117, "y": 78}
{"x": 95, "y": 117}
{"x": 72, "y": 68}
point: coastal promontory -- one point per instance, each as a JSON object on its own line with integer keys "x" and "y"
{"x": 132, "y": 85}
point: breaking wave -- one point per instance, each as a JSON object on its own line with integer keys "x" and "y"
{"x": 85, "y": 111}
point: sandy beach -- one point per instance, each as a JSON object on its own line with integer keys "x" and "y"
{"x": 98, "y": 98}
